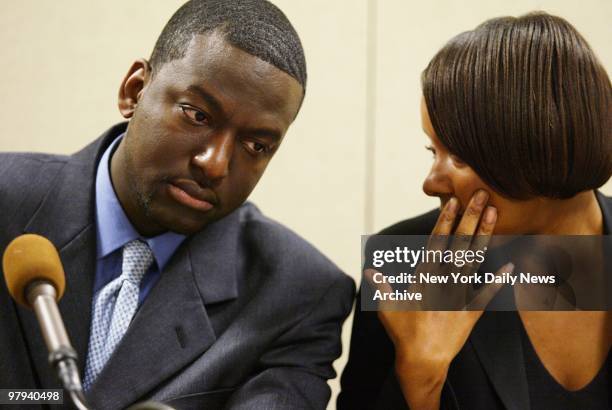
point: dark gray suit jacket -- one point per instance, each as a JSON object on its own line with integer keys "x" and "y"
{"x": 246, "y": 315}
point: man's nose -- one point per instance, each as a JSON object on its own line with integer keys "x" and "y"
{"x": 437, "y": 183}
{"x": 214, "y": 159}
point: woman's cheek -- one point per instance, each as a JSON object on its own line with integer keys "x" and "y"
{"x": 466, "y": 186}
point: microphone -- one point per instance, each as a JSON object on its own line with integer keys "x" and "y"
{"x": 35, "y": 279}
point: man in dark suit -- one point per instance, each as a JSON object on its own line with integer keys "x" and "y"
{"x": 176, "y": 289}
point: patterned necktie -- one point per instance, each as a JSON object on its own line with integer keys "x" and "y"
{"x": 114, "y": 307}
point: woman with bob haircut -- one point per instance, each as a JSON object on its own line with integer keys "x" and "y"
{"x": 519, "y": 117}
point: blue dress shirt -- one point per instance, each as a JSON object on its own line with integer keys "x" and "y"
{"x": 113, "y": 230}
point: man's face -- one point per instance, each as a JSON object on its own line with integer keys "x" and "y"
{"x": 201, "y": 133}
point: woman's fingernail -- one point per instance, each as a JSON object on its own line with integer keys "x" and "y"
{"x": 481, "y": 197}
{"x": 453, "y": 204}
{"x": 490, "y": 215}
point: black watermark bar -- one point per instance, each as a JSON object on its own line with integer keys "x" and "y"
{"x": 498, "y": 273}
{"x": 31, "y": 396}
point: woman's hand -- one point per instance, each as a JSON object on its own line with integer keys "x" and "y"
{"x": 427, "y": 341}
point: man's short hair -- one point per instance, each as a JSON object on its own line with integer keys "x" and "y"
{"x": 255, "y": 26}
{"x": 525, "y": 103}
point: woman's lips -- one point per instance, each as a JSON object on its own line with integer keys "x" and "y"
{"x": 191, "y": 196}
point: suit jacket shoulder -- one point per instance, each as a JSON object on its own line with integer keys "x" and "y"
{"x": 300, "y": 261}
{"x": 25, "y": 179}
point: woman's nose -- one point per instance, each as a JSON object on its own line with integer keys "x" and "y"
{"x": 437, "y": 183}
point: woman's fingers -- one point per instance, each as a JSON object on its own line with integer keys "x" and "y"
{"x": 469, "y": 222}
{"x": 482, "y": 237}
{"x": 487, "y": 224}
{"x": 471, "y": 216}
{"x": 444, "y": 226}
{"x": 446, "y": 220}
{"x": 487, "y": 292}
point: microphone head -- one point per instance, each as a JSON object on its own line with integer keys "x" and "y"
{"x": 29, "y": 258}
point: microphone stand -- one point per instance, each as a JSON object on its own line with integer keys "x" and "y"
{"x": 33, "y": 254}
{"x": 62, "y": 357}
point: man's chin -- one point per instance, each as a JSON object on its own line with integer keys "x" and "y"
{"x": 172, "y": 220}
{"x": 186, "y": 226}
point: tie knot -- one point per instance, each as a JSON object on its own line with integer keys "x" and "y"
{"x": 137, "y": 257}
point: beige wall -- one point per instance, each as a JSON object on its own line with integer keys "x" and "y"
{"x": 352, "y": 162}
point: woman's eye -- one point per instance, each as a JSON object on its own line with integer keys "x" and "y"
{"x": 458, "y": 161}
{"x": 194, "y": 115}
{"x": 431, "y": 149}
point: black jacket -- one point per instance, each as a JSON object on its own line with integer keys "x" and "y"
{"x": 487, "y": 374}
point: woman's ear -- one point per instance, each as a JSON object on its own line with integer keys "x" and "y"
{"x": 132, "y": 87}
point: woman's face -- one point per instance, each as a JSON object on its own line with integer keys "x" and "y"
{"x": 449, "y": 176}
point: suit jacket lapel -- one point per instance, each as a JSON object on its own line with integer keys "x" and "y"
{"x": 66, "y": 218}
{"x": 172, "y": 327}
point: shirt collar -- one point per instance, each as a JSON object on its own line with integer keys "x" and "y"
{"x": 113, "y": 227}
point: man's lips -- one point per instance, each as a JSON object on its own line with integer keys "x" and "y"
{"x": 192, "y": 195}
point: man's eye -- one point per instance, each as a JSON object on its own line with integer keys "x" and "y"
{"x": 257, "y": 147}
{"x": 194, "y": 115}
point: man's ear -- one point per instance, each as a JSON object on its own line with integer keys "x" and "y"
{"x": 132, "y": 87}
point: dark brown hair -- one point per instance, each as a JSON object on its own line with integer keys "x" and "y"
{"x": 255, "y": 26}
{"x": 525, "y": 103}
